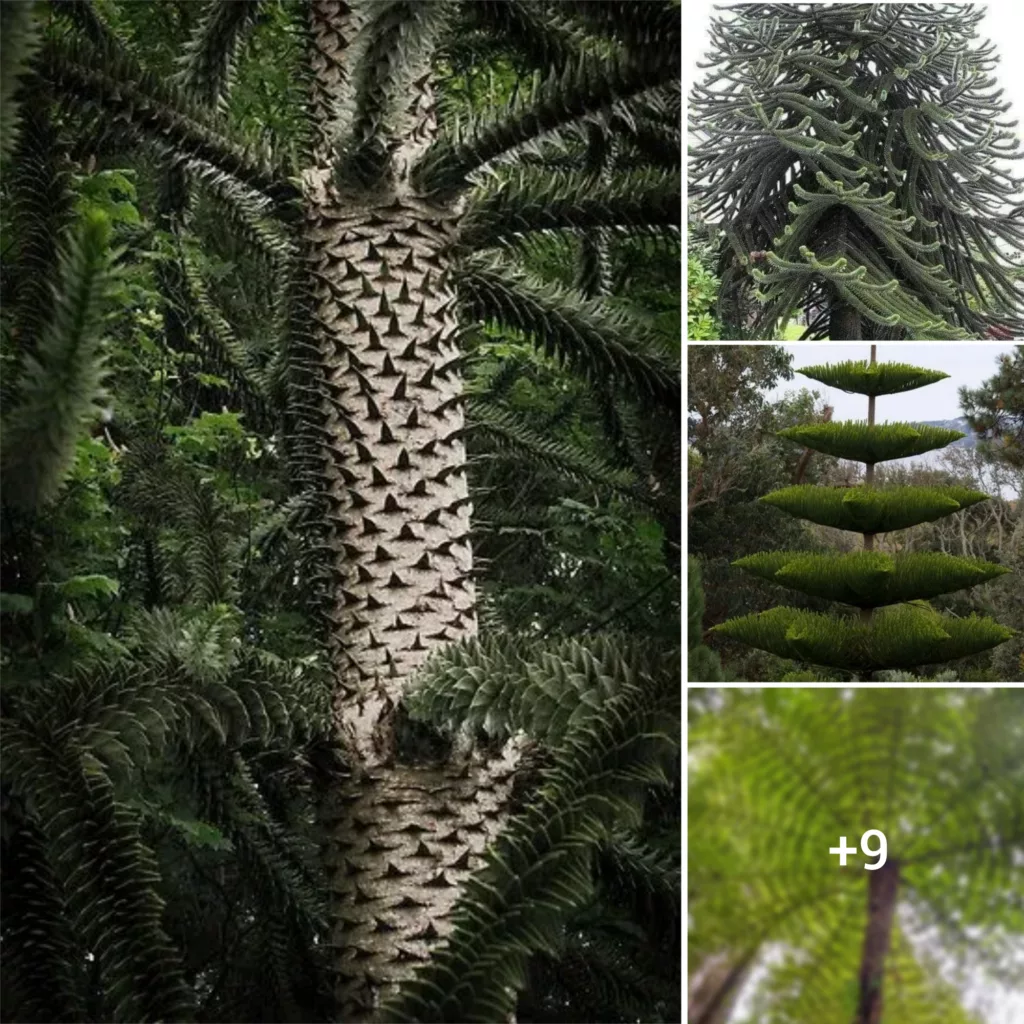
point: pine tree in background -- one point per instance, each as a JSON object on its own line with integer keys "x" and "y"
{"x": 894, "y": 628}
{"x": 853, "y": 152}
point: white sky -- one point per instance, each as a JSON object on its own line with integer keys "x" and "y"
{"x": 967, "y": 363}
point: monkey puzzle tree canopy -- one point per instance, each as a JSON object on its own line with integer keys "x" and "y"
{"x": 855, "y": 152}
{"x": 905, "y": 632}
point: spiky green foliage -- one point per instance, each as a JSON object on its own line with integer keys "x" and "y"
{"x": 879, "y": 442}
{"x": 589, "y": 82}
{"x": 587, "y": 336}
{"x": 860, "y": 377}
{"x": 209, "y": 56}
{"x": 898, "y": 637}
{"x": 541, "y": 867}
{"x": 861, "y": 148}
{"x": 937, "y": 771}
{"x": 20, "y": 38}
{"x": 872, "y": 509}
{"x": 869, "y": 579}
{"x": 501, "y": 686}
{"x": 60, "y": 383}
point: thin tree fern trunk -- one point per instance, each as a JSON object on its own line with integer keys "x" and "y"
{"x": 883, "y": 886}
{"x": 406, "y": 829}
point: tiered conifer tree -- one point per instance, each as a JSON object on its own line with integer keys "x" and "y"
{"x": 894, "y": 628}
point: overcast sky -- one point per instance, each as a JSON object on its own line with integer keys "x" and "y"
{"x": 968, "y": 363}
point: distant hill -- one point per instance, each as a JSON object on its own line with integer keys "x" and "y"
{"x": 961, "y": 424}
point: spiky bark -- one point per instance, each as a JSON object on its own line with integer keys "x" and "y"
{"x": 406, "y": 829}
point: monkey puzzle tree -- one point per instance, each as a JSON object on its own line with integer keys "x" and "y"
{"x": 406, "y": 213}
{"x": 895, "y": 628}
{"x": 855, "y": 152}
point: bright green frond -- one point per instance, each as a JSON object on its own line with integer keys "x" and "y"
{"x": 879, "y": 442}
{"x": 872, "y": 509}
{"x": 860, "y": 377}
{"x": 869, "y": 579}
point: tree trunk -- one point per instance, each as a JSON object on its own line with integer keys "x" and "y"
{"x": 844, "y": 322}
{"x": 406, "y": 829}
{"x": 883, "y": 886}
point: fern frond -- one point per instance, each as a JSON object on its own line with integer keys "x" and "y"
{"x": 777, "y": 773}
{"x": 61, "y": 383}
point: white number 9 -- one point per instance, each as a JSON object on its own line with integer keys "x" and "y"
{"x": 881, "y": 853}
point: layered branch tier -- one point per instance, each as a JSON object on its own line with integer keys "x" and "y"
{"x": 870, "y": 579}
{"x": 902, "y": 637}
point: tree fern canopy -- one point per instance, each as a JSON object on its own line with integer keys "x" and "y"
{"x": 858, "y": 154}
{"x": 777, "y": 776}
{"x": 340, "y": 456}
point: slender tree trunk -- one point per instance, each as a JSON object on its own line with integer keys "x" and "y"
{"x": 408, "y": 827}
{"x": 883, "y": 887}
{"x": 869, "y": 480}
